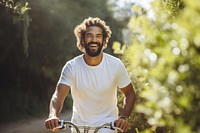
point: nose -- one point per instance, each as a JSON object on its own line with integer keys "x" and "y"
{"x": 94, "y": 39}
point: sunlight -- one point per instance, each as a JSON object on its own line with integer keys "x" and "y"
{"x": 153, "y": 57}
{"x": 144, "y": 3}
{"x": 176, "y": 51}
{"x": 123, "y": 5}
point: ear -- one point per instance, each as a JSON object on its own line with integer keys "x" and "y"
{"x": 82, "y": 42}
{"x": 104, "y": 42}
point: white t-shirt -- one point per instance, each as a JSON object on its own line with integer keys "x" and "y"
{"x": 94, "y": 89}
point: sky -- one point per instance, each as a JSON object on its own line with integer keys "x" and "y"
{"x": 144, "y": 3}
{"x": 122, "y": 5}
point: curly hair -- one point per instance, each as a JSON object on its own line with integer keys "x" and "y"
{"x": 80, "y": 30}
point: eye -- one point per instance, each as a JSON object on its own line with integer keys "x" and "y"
{"x": 99, "y": 36}
{"x": 89, "y": 36}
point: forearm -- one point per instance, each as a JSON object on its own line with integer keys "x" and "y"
{"x": 55, "y": 106}
{"x": 129, "y": 102}
{"x": 57, "y": 99}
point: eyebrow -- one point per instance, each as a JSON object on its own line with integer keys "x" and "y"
{"x": 89, "y": 33}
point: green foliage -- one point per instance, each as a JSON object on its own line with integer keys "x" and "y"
{"x": 165, "y": 52}
{"x": 19, "y": 11}
{"x": 18, "y": 8}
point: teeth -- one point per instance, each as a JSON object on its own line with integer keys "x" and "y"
{"x": 93, "y": 45}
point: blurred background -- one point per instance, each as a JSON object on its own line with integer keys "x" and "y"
{"x": 158, "y": 40}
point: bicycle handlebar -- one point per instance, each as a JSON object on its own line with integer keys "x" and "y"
{"x": 68, "y": 124}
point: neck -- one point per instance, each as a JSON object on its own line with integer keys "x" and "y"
{"x": 93, "y": 61}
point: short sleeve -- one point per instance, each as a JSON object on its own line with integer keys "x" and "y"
{"x": 66, "y": 75}
{"x": 123, "y": 78}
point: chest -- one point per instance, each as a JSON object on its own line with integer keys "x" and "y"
{"x": 98, "y": 80}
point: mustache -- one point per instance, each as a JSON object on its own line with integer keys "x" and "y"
{"x": 93, "y": 43}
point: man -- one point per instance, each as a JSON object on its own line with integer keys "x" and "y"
{"x": 93, "y": 79}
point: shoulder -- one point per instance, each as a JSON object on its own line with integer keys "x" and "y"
{"x": 115, "y": 63}
{"x": 74, "y": 62}
{"x": 112, "y": 59}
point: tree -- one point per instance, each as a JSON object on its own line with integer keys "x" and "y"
{"x": 19, "y": 12}
{"x": 164, "y": 59}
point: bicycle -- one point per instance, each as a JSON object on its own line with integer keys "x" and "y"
{"x": 64, "y": 125}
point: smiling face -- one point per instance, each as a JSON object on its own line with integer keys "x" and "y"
{"x": 93, "y": 41}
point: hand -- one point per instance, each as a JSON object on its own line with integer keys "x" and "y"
{"x": 51, "y": 123}
{"x": 122, "y": 124}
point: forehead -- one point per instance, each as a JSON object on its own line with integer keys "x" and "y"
{"x": 94, "y": 30}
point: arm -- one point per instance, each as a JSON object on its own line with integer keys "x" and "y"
{"x": 129, "y": 102}
{"x": 57, "y": 99}
{"x": 56, "y": 105}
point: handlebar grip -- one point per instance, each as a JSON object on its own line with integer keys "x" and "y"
{"x": 61, "y": 124}
{"x": 114, "y": 126}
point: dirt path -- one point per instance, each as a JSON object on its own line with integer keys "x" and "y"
{"x": 34, "y": 125}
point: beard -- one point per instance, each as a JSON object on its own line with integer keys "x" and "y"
{"x": 93, "y": 53}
